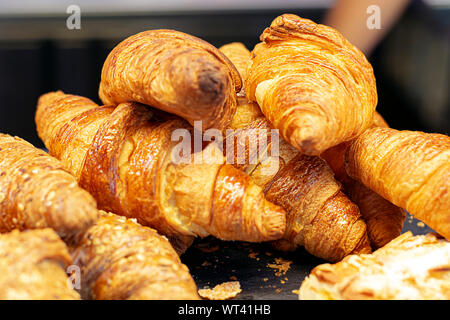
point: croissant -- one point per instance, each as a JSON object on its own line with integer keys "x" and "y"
{"x": 37, "y": 192}
{"x": 128, "y": 162}
{"x": 411, "y": 169}
{"x": 408, "y": 267}
{"x": 31, "y": 265}
{"x": 120, "y": 259}
{"x": 311, "y": 84}
{"x": 174, "y": 72}
{"x": 384, "y": 220}
{"x": 319, "y": 216}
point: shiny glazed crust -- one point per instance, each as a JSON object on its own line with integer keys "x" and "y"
{"x": 125, "y": 158}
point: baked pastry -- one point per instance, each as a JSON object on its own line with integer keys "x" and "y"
{"x": 131, "y": 164}
{"x": 174, "y": 72}
{"x": 411, "y": 169}
{"x": 408, "y": 267}
{"x": 320, "y": 216}
{"x": 32, "y": 265}
{"x": 120, "y": 259}
{"x": 303, "y": 185}
{"x": 384, "y": 220}
{"x": 239, "y": 56}
{"x": 311, "y": 84}
{"x": 37, "y": 192}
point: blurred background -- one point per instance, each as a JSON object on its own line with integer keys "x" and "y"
{"x": 41, "y": 50}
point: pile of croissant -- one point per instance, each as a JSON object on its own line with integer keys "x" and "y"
{"x": 110, "y": 199}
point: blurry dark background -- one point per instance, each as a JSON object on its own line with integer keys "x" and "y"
{"x": 38, "y": 53}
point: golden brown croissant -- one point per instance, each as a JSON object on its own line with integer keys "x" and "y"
{"x": 411, "y": 169}
{"x": 408, "y": 267}
{"x": 174, "y": 72}
{"x": 311, "y": 84}
{"x": 303, "y": 185}
{"x": 31, "y": 266}
{"x": 125, "y": 159}
{"x": 120, "y": 259}
{"x": 37, "y": 192}
{"x": 384, "y": 220}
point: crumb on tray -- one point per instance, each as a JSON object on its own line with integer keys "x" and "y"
{"x": 281, "y": 266}
{"x": 223, "y": 291}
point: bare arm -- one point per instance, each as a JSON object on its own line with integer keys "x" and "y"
{"x": 350, "y": 18}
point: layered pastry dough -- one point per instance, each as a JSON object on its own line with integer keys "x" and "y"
{"x": 320, "y": 217}
{"x": 411, "y": 169}
{"x": 311, "y": 84}
{"x": 127, "y": 159}
{"x": 174, "y": 72}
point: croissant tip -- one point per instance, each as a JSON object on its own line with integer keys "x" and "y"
{"x": 305, "y": 137}
{"x": 211, "y": 85}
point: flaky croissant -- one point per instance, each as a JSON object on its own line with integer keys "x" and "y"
{"x": 174, "y": 72}
{"x": 311, "y": 84}
{"x": 319, "y": 216}
{"x": 411, "y": 169}
{"x": 37, "y": 192}
{"x": 32, "y": 266}
{"x": 120, "y": 259}
{"x": 384, "y": 220}
{"x": 408, "y": 267}
{"x": 125, "y": 159}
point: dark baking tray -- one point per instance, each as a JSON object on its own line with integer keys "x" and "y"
{"x": 248, "y": 263}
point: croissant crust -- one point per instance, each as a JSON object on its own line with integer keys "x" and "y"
{"x": 411, "y": 169}
{"x": 127, "y": 160}
{"x": 311, "y": 84}
{"x": 174, "y": 72}
{"x": 303, "y": 185}
{"x": 121, "y": 259}
{"x": 36, "y": 191}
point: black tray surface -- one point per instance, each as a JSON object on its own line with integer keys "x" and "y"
{"x": 255, "y": 266}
